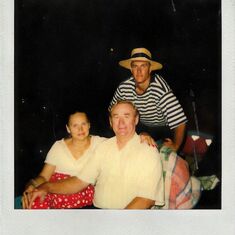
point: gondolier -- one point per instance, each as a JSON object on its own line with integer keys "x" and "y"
{"x": 161, "y": 114}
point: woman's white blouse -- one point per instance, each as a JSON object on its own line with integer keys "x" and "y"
{"x": 60, "y": 156}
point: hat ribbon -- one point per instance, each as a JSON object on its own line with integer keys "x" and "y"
{"x": 140, "y": 55}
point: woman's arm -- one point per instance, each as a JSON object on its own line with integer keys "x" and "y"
{"x": 43, "y": 177}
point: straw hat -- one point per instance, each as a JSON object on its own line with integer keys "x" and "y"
{"x": 140, "y": 54}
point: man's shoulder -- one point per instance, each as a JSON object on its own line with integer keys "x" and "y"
{"x": 148, "y": 149}
{"x": 128, "y": 82}
{"x": 157, "y": 77}
{"x": 159, "y": 83}
{"x": 144, "y": 148}
{"x": 148, "y": 156}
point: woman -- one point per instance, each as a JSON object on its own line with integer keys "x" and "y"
{"x": 65, "y": 158}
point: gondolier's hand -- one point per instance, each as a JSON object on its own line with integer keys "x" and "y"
{"x": 146, "y": 138}
{"x": 169, "y": 143}
{"x": 38, "y": 192}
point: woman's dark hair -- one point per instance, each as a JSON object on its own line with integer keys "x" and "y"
{"x": 74, "y": 112}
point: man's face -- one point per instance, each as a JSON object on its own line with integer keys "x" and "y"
{"x": 141, "y": 71}
{"x": 123, "y": 120}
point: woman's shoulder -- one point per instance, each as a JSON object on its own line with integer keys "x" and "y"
{"x": 58, "y": 143}
{"x": 97, "y": 139}
{"x": 56, "y": 147}
{"x": 107, "y": 142}
{"x": 100, "y": 141}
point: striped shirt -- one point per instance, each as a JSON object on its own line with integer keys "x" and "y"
{"x": 158, "y": 106}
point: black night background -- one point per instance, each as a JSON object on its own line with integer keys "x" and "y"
{"x": 67, "y": 54}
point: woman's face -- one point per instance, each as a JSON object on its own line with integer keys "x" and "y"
{"x": 78, "y": 126}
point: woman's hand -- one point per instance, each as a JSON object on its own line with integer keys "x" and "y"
{"x": 146, "y": 138}
{"x": 26, "y": 196}
{"x": 41, "y": 193}
{"x": 31, "y": 193}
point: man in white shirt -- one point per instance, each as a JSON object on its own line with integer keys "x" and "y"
{"x": 126, "y": 174}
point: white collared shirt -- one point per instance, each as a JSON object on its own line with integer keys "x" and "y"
{"x": 121, "y": 175}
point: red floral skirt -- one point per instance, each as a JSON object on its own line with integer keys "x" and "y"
{"x": 65, "y": 201}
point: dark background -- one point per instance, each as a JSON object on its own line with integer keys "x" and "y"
{"x": 66, "y": 57}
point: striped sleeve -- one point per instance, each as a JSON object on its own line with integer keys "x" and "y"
{"x": 118, "y": 95}
{"x": 123, "y": 92}
{"x": 162, "y": 83}
{"x": 172, "y": 110}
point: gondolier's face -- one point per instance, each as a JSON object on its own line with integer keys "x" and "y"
{"x": 141, "y": 71}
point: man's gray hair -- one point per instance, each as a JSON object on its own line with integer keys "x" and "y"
{"x": 124, "y": 102}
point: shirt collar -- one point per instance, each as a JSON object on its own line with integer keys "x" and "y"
{"x": 133, "y": 141}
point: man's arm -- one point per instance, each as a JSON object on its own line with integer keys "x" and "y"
{"x": 140, "y": 203}
{"x": 179, "y": 132}
{"x": 179, "y": 135}
{"x": 150, "y": 181}
{"x": 67, "y": 186}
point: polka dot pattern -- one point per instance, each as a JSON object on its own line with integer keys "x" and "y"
{"x": 62, "y": 201}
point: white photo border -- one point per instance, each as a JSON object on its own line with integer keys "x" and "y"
{"x": 115, "y": 221}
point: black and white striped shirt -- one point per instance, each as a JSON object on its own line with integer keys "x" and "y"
{"x": 158, "y": 106}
